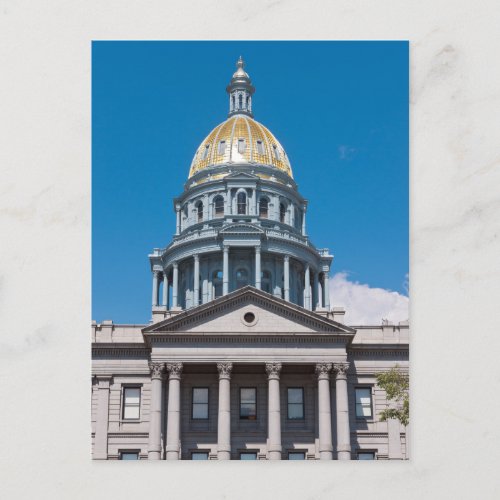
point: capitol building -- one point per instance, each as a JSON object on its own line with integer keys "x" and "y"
{"x": 245, "y": 357}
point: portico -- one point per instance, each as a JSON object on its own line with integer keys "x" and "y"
{"x": 297, "y": 367}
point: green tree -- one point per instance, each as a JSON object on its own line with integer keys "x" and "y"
{"x": 396, "y": 384}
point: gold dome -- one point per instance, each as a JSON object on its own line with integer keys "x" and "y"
{"x": 240, "y": 139}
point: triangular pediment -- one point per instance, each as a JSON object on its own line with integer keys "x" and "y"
{"x": 241, "y": 228}
{"x": 233, "y": 313}
{"x": 241, "y": 176}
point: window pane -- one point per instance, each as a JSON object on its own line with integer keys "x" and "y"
{"x": 222, "y": 147}
{"x": 363, "y": 395}
{"x": 131, "y": 412}
{"x": 200, "y": 410}
{"x": 296, "y": 455}
{"x": 248, "y": 456}
{"x": 247, "y": 395}
{"x": 296, "y": 411}
{"x": 295, "y": 395}
{"x": 132, "y": 395}
{"x": 248, "y": 410}
{"x": 199, "y": 455}
{"x": 130, "y": 456}
{"x": 366, "y": 455}
{"x": 200, "y": 395}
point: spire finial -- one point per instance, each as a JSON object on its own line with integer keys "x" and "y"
{"x": 240, "y": 91}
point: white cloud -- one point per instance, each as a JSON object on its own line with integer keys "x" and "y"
{"x": 365, "y": 305}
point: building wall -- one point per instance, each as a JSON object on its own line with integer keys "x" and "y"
{"x": 371, "y": 352}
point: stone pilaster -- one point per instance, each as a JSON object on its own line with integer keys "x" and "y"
{"x": 224, "y": 417}
{"x": 324, "y": 411}
{"x": 274, "y": 415}
{"x": 174, "y": 410}
{"x": 343, "y": 430}
{"x": 102, "y": 418}
{"x": 154, "y": 446}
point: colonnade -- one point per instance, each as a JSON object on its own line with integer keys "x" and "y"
{"x": 314, "y": 297}
{"x": 273, "y": 370}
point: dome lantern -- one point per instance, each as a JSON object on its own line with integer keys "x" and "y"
{"x": 240, "y": 91}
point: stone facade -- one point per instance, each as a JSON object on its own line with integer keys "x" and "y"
{"x": 244, "y": 357}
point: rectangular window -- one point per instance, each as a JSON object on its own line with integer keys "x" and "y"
{"x": 260, "y": 147}
{"x": 200, "y": 403}
{"x": 131, "y": 403}
{"x": 248, "y": 455}
{"x": 295, "y": 403}
{"x": 199, "y": 455}
{"x": 296, "y": 455}
{"x": 276, "y": 152}
{"x": 205, "y": 152}
{"x": 129, "y": 455}
{"x": 248, "y": 403}
{"x": 222, "y": 148}
{"x": 366, "y": 455}
{"x": 363, "y": 402}
{"x": 241, "y": 146}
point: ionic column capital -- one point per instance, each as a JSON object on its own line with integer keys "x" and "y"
{"x": 286, "y": 257}
{"x": 175, "y": 264}
{"x": 224, "y": 369}
{"x": 174, "y": 370}
{"x": 196, "y": 257}
{"x": 156, "y": 273}
{"x": 157, "y": 369}
{"x": 273, "y": 370}
{"x": 323, "y": 370}
{"x": 341, "y": 370}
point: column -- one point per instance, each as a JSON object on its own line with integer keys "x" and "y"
{"x": 307, "y": 288}
{"x": 102, "y": 418}
{"x": 178, "y": 220}
{"x": 174, "y": 410}
{"x": 343, "y": 431}
{"x": 175, "y": 283}
{"x": 225, "y": 271}
{"x": 324, "y": 411}
{"x": 165, "y": 288}
{"x": 326, "y": 290}
{"x": 155, "y": 288}
{"x": 304, "y": 222}
{"x": 320, "y": 294}
{"x": 286, "y": 276}
{"x": 257, "y": 268}
{"x": 154, "y": 446}
{"x": 196, "y": 280}
{"x": 204, "y": 286}
{"x": 314, "y": 292}
{"x": 224, "y": 418}
{"x": 274, "y": 416}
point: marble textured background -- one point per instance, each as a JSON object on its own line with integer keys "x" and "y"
{"x": 45, "y": 246}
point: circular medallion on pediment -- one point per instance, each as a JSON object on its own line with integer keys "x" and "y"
{"x": 249, "y": 318}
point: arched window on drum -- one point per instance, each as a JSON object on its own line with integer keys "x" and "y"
{"x": 242, "y": 203}
{"x": 264, "y": 208}
{"x": 218, "y": 206}
{"x": 282, "y": 212}
{"x": 266, "y": 281}
{"x": 241, "y": 278}
{"x": 199, "y": 211}
{"x": 217, "y": 283}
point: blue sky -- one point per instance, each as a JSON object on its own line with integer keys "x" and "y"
{"x": 340, "y": 109}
